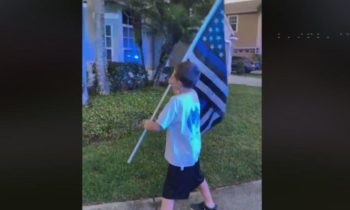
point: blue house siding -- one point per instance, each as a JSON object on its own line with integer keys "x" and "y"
{"x": 114, "y": 17}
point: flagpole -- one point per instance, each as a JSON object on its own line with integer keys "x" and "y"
{"x": 145, "y": 130}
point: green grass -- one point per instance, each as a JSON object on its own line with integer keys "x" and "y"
{"x": 231, "y": 153}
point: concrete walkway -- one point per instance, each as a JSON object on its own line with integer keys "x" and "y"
{"x": 246, "y": 196}
{"x": 244, "y": 80}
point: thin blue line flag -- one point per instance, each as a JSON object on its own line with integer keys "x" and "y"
{"x": 207, "y": 51}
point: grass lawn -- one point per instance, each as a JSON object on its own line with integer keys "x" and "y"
{"x": 231, "y": 152}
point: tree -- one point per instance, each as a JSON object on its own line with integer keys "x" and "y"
{"x": 97, "y": 28}
{"x": 171, "y": 19}
{"x": 175, "y": 20}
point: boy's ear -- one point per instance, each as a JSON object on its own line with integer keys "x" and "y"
{"x": 181, "y": 85}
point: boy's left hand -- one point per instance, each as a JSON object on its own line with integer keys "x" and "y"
{"x": 150, "y": 125}
{"x": 147, "y": 124}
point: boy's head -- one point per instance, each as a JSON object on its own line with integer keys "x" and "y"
{"x": 186, "y": 73}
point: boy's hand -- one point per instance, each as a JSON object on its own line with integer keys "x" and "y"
{"x": 147, "y": 124}
{"x": 150, "y": 125}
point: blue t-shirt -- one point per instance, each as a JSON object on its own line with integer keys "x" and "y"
{"x": 181, "y": 118}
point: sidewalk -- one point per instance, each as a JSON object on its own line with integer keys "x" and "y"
{"x": 245, "y": 196}
{"x": 244, "y": 80}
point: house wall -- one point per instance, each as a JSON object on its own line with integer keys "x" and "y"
{"x": 87, "y": 40}
{"x": 247, "y": 30}
{"x": 178, "y": 53}
{"x": 147, "y": 50}
{"x": 151, "y": 46}
{"x": 248, "y": 26}
{"x": 113, "y": 17}
{"x": 259, "y": 36}
{"x": 248, "y": 34}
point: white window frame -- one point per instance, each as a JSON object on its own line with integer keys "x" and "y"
{"x": 124, "y": 35}
{"x": 229, "y": 18}
{"x": 128, "y": 36}
{"x": 111, "y": 37}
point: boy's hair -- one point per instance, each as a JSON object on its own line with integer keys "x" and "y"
{"x": 187, "y": 73}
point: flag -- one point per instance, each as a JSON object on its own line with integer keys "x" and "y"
{"x": 207, "y": 52}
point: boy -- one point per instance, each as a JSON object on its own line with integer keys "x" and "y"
{"x": 181, "y": 118}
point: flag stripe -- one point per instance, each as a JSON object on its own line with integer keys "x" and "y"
{"x": 216, "y": 121}
{"x": 205, "y": 123}
{"x": 215, "y": 116}
{"x": 208, "y": 103}
{"x": 222, "y": 85}
{"x": 206, "y": 116}
{"x": 214, "y": 63}
{"x": 211, "y": 95}
{"x": 214, "y": 88}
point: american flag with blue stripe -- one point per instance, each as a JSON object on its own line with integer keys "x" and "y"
{"x": 207, "y": 51}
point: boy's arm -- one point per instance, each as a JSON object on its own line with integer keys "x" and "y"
{"x": 151, "y": 125}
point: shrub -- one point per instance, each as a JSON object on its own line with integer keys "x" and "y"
{"x": 92, "y": 79}
{"x": 167, "y": 71}
{"x": 118, "y": 114}
{"x": 240, "y": 67}
{"x": 126, "y": 76}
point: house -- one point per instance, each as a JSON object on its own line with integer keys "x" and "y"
{"x": 119, "y": 38}
{"x": 245, "y": 19}
{"x": 120, "y": 44}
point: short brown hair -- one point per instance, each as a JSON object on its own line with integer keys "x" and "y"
{"x": 187, "y": 73}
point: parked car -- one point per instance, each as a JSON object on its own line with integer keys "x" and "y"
{"x": 241, "y": 64}
{"x": 257, "y": 65}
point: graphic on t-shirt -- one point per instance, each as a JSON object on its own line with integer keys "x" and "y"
{"x": 193, "y": 121}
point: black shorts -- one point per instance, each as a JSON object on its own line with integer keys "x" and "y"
{"x": 178, "y": 184}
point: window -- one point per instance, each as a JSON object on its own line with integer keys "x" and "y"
{"x": 234, "y": 22}
{"x": 108, "y": 42}
{"x": 131, "y": 51}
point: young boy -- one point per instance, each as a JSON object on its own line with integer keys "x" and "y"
{"x": 181, "y": 118}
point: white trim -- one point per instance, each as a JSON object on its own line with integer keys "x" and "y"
{"x": 259, "y": 33}
{"x": 236, "y": 29}
{"x": 130, "y": 35}
{"x": 244, "y": 47}
{"x": 111, "y": 16}
{"x": 247, "y": 48}
{"x": 111, "y": 37}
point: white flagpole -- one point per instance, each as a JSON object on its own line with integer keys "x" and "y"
{"x": 145, "y": 130}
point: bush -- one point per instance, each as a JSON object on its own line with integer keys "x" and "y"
{"x": 126, "y": 76}
{"x": 92, "y": 79}
{"x": 167, "y": 71}
{"x": 118, "y": 114}
{"x": 240, "y": 67}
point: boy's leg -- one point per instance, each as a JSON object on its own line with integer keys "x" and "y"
{"x": 208, "y": 199}
{"x": 167, "y": 204}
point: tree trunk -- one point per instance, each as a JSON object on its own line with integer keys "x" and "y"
{"x": 167, "y": 48}
{"x": 100, "y": 51}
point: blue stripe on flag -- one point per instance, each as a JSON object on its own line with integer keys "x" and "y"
{"x": 211, "y": 60}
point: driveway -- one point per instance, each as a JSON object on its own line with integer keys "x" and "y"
{"x": 244, "y": 80}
